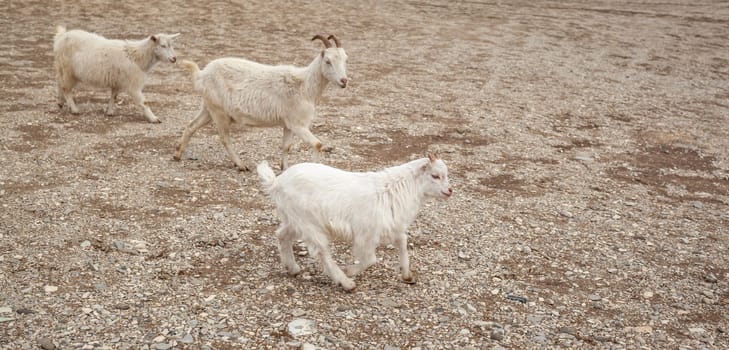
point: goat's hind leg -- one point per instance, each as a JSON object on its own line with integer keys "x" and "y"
{"x": 364, "y": 252}
{"x": 65, "y": 86}
{"x": 202, "y": 119}
{"x": 320, "y": 250}
{"x": 112, "y": 101}
{"x": 285, "y": 248}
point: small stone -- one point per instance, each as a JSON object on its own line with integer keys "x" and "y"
{"x": 584, "y": 158}
{"x": 159, "y": 339}
{"x": 24, "y": 311}
{"x": 709, "y": 294}
{"x": 497, "y": 334}
{"x": 50, "y": 289}
{"x": 697, "y": 332}
{"x": 566, "y": 214}
{"x": 6, "y": 319}
{"x": 301, "y": 326}
{"x": 390, "y": 347}
{"x": 568, "y": 330}
{"x": 612, "y": 270}
{"x": 298, "y": 312}
{"x": 187, "y": 339}
{"x": 85, "y": 244}
{"x": 595, "y": 297}
{"x": 46, "y": 344}
{"x": 698, "y": 205}
{"x": 463, "y": 256}
{"x": 711, "y": 278}
{"x": 647, "y": 294}
{"x": 161, "y": 346}
{"x": 5, "y": 310}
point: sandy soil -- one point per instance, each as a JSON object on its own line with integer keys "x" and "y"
{"x": 587, "y": 143}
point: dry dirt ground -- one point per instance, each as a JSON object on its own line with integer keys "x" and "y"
{"x": 587, "y": 143}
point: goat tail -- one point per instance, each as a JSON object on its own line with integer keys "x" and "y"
{"x": 60, "y": 30}
{"x": 267, "y": 176}
{"x": 191, "y": 67}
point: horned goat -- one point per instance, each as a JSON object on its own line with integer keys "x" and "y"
{"x": 121, "y": 65}
{"x": 239, "y": 91}
{"x": 317, "y": 203}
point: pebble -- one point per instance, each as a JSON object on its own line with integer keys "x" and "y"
{"x": 46, "y": 344}
{"x": 497, "y": 334}
{"x": 50, "y": 289}
{"x": 566, "y": 214}
{"x": 5, "y": 310}
{"x": 6, "y": 319}
{"x": 301, "y": 326}
{"x": 698, "y": 205}
{"x": 647, "y": 294}
{"x": 584, "y": 158}
{"x": 161, "y": 346}
{"x": 568, "y": 330}
{"x": 85, "y": 244}
{"x": 390, "y": 347}
{"x": 594, "y": 297}
{"x": 711, "y": 278}
{"x": 187, "y": 339}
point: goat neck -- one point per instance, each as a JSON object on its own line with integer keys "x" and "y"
{"x": 141, "y": 52}
{"x": 314, "y": 81}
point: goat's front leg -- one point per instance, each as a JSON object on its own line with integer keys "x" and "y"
{"x": 306, "y": 135}
{"x": 402, "y": 245}
{"x": 112, "y": 101}
{"x": 139, "y": 100}
{"x": 223, "y": 124}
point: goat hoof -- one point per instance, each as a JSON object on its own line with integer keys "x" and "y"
{"x": 409, "y": 279}
{"x": 242, "y": 168}
{"x": 348, "y": 285}
{"x": 327, "y": 149}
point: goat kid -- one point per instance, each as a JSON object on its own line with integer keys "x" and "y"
{"x": 317, "y": 203}
{"x": 121, "y": 65}
{"x": 243, "y": 92}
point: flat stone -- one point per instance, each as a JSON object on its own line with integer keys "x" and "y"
{"x": 50, "y": 289}
{"x": 161, "y": 346}
{"x": 595, "y": 297}
{"x": 187, "y": 339}
{"x": 497, "y": 334}
{"x": 647, "y": 294}
{"x": 6, "y": 319}
{"x": 301, "y": 326}
{"x": 5, "y": 310}
{"x": 46, "y": 344}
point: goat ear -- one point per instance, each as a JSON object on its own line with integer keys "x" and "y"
{"x": 154, "y": 38}
{"x": 174, "y": 35}
{"x": 433, "y": 157}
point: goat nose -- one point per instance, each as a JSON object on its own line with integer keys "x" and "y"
{"x": 450, "y": 190}
{"x": 173, "y": 59}
{"x": 344, "y": 81}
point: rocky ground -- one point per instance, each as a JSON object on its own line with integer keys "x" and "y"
{"x": 587, "y": 144}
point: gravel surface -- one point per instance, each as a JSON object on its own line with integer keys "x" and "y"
{"x": 587, "y": 144}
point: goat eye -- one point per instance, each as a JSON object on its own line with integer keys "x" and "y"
{"x": 329, "y": 62}
{"x": 437, "y": 177}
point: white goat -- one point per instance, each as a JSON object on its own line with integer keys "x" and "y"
{"x": 121, "y": 65}
{"x": 236, "y": 90}
{"x": 316, "y": 203}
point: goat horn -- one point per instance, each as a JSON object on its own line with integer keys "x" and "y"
{"x": 336, "y": 41}
{"x": 326, "y": 42}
